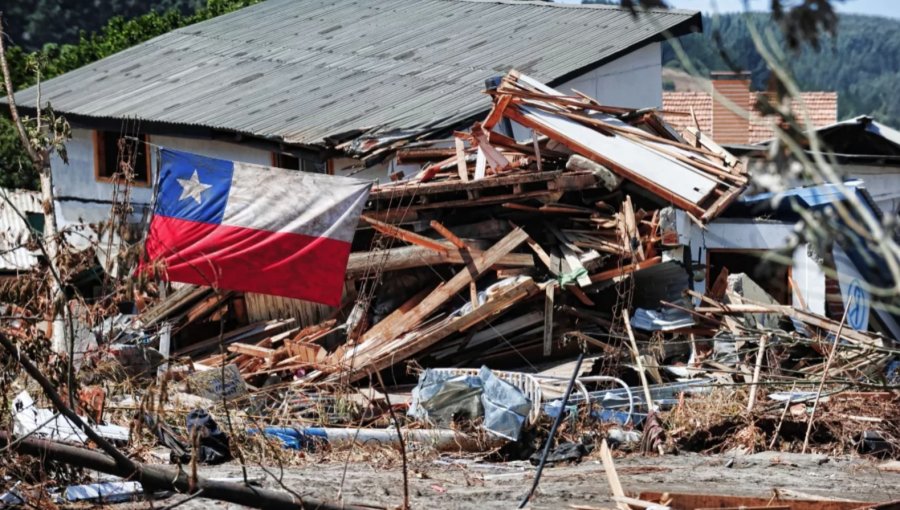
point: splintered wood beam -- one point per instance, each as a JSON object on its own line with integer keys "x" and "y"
{"x": 393, "y": 327}
{"x": 541, "y": 254}
{"x": 580, "y": 295}
{"x": 448, "y": 235}
{"x": 404, "y": 235}
{"x": 632, "y": 237}
{"x": 497, "y": 111}
{"x": 496, "y": 158}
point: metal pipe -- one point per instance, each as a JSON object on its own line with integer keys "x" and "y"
{"x": 556, "y": 422}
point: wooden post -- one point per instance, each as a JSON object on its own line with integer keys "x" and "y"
{"x": 637, "y": 358}
{"x": 548, "y": 318}
{"x": 756, "y": 369}
{"x": 165, "y": 348}
{"x": 461, "y": 168}
{"x": 837, "y": 338}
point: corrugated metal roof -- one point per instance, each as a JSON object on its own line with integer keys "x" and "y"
{"x": 14, "y": 232}
{"x": 303, "y": 70}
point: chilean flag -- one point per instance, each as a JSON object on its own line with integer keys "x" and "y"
{"x": 254, "y": 228}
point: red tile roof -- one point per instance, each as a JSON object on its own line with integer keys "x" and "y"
{"x": 822, "y": 108}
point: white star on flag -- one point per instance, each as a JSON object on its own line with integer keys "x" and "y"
{"x": 192, "y": 188}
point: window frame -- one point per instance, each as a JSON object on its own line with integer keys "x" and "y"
{"x": 99, "y": 143}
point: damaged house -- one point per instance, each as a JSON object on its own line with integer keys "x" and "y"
{"x": 342, "y": 88}
{"x": 336, "y": 87}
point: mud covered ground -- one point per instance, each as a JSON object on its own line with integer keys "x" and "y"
{"x": 446, "y": 483}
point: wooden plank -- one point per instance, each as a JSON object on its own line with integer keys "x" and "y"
{"x": 570, "y": 254}
{"x": 391, "y": 353}
{"x": 542, "y": 255}
{"x": 548, "y": 319}
{"x": 637, "y": 358}
{"x": 624, "y": 270}
{"x": 612, "y": 477}
{"x": 251, "y": 350}
{"x": 496, "y": 113}
{"x": 480, "y": 164}
{"x": 448, "y": 235}
{"x": 687, "y": 500}
{"x": 394, "y": 192}
{"x": 462, "y": 167}
{"x": 391, "y": 328}
{"x": 407, "y": 257}
{"x": 497, "y": 160}
{"x": 404, "y": 235}
{"x": 580, "y": 295}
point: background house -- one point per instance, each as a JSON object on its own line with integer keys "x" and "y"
{"x": 747, "y": 125}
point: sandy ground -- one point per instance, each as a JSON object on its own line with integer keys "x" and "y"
{"x": 456, "y": 484}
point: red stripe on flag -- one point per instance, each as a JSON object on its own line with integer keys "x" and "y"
{"x": 250, "y": 260}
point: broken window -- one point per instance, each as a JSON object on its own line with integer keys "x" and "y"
{"x": 110, "y": 155}
{"x": 771, "y": 276}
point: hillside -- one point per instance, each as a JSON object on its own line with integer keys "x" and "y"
{"x": 862, "y": 63}
{"x": 32, "y": 23}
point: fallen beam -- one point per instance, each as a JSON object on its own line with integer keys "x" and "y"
{"x": 407, "y": 257}
{"x": 154, "y": 478}
{"x": 395, "y": 326}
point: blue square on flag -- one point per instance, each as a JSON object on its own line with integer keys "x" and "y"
{"x": 193, "y": 187}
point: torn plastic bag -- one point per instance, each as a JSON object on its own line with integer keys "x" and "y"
{"x": 564, "y": 452}
{"x": 214, "y": 444}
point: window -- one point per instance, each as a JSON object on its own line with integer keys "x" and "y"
{"x": 109, "y": 152}
{"x": 36, "y": 222}
{"x": 291, "y": 162}
{"x": 286, "y": 161}
{"x": 770, "y": 275}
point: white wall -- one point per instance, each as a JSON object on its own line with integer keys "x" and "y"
{"x": 634, "y": 80}
{"x": 77, "y": 178}
{"x": 882, "y": 183}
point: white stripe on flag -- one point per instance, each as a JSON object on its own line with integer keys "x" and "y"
{"x": 279, "y": 200}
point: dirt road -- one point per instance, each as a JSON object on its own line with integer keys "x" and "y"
{"x": 453, "y": 484}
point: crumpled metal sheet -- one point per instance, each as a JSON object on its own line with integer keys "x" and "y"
{"x": 440, "y": 397}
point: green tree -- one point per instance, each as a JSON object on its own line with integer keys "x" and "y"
{"x": 54, "y": 59}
